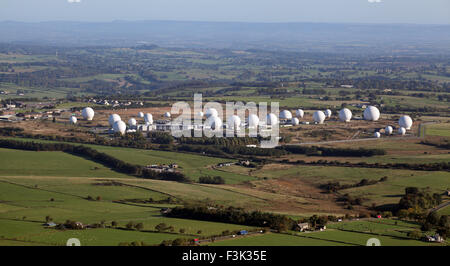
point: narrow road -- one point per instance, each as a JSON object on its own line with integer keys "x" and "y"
{"x": 440, "y": 206}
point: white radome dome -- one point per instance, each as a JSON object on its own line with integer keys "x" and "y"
{"x": 211, "y": 112}
{"x": 295, "y": 121}
{"x": 73, "y": 120}
{"x": 405, "y": 121}
{"x": 120, "y": 126}
{"x": 200, "y": 114}
{"x": 300, "y": 113}
{"x": 345, "y": 115}
{"x": 319, "y": 117}
{"x": 132, "y": 122}
{"x": 328, "y": 113}
{"x": 88, "y": 113}
{"x": 148, "y": 118}
{"x": 388, "y": 130}
{"x": 402, "y": 131}
{"x": 377, "y": 135}
{"x": 215, "y": 123}
{"x": 371, "y": 113}
{"x": 253, "y": 121}
{"x": 141, "y": 115}
{"x": 234, "y": 122}
{"x": 167, "y": 115}
{"x": 285, "y": 114}
{"x": 272, "y": 119}
{"x": 114, "y": 118}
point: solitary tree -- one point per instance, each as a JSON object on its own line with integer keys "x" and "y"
{"x": 139, "y": 226}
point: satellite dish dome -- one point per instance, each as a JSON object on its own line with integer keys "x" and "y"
{"x": 300, "y": 113}
{"x": 73, "y": 120}
{"x": 88, "y": 113}
{"x": 234, "y": 122}
{"x": 345, "y": 115}
{"x": 272, "y": 119}
{"x": 371, "y": 113}
{"x": 295, "y": 121}
{"x": 211, "y": 112}
{"x": 215, "y": 123}
{"x": 114, "y": 118}
{"x": 141, "y": 115}
{"x": 402, "y": 131}
{"x": 253, "y": 121}
{"x": 319, "y": 117}
{"x": 132, "y": 122}
{"x": 388, "y": 130}
{"x": 405, "y": 121}
{"x": 120, "y": 126}
{"x": 285, "y": 114}
{"x": 377, "y": 135}
{"x": 148, "y": 118}
{"x": 200, "y": 114}
{"x": 328, "y": 113}
{"x": 167, "y": 115}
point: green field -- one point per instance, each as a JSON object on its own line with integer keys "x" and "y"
{"x": 26, "y": 201}
{"x": 442, "y": 130}
{"x": 192, "y": 165}
{"x": 381, "y": 193}
{"x": 31, "y": 163}
{"x": 273, "y": 239}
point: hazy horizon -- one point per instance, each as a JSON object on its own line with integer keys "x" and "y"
{"x": 243, "y": 22}
{"x": 434, "y": 12}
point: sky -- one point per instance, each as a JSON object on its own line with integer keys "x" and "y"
{"x": 334, "y": 11}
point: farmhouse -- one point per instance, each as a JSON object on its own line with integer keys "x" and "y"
{"x": 436, "y": 238}
{"x": 303, "y": 227}
{"x": 50, "y": 224}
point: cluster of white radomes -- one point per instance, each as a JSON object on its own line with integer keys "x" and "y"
{"x": 345, "y": 115}
{"x": 371, "y": 113}
{"x": 120, "y": 127}
{"x": 234, "y": 122}
{"x": 148, "y": 118}
{"x": 405, "y": 121}
{"x": 271, "y": 119}
{"x": 132, "y": 122}
{"x": 319, "y": 117}
{"x": 211, "y": 112}
{"x": 113, "y": 119}
{"x": 285, "y": 114}
{"x": 73, "y": 120}
{"x": 388, "y": 130}
{"x": 214, "y": 122}
{"x": 253, "y": 121}
{"x": 88, "y": 113}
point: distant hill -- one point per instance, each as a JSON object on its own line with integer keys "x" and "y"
{"x": 299, "y": 36}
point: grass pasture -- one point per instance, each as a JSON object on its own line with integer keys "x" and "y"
{"x": 26, "y": 201}
{"x": 441, "y": 130}
{"x": 31, "y": 163}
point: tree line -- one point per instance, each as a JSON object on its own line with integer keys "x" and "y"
{"x": 439, "y": 166}
{"x": 94, "y": 155}
{"x": 234, "y": 215}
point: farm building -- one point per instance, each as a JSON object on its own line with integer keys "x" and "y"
{"x": 303, "y": 227}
